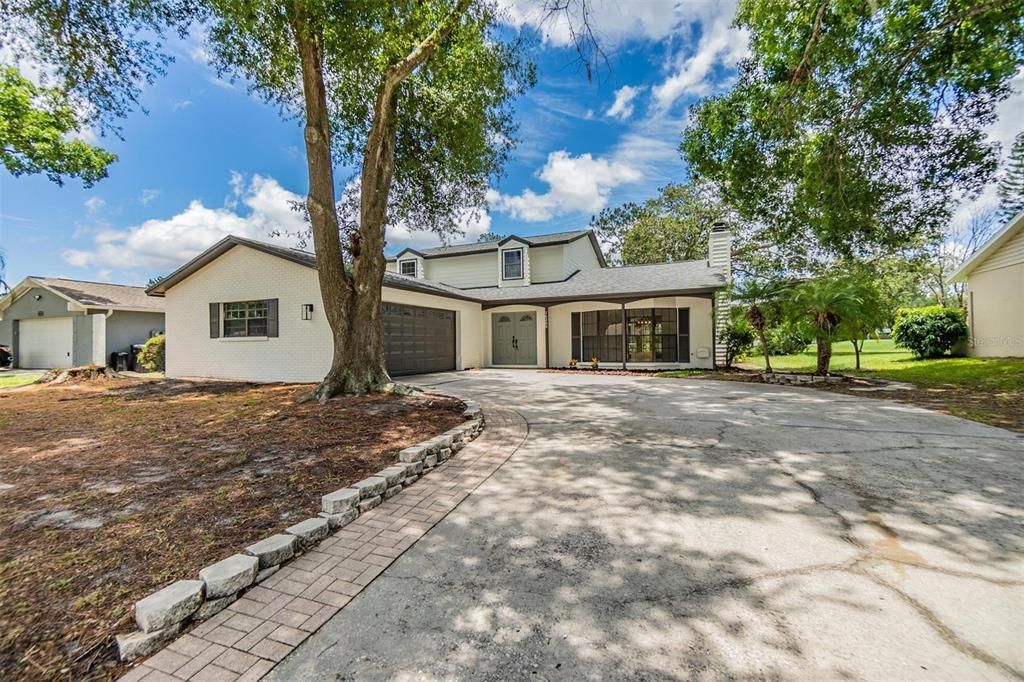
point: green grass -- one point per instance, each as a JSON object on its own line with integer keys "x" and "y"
{"x": 17, "y": 380}
{"x": 882, "y": 359}
{"x": 681, "y": 373}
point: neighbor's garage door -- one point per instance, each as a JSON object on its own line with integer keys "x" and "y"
{"x": 418, "y": 340}
{"x": 45, "y": 343}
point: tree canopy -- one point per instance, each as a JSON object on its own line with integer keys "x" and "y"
{"x": 854, "y": 125}
{"x": 1011, "y": 184}
{"x": 34, "y": 127}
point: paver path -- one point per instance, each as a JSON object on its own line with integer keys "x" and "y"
{"x": 674, "y": 529}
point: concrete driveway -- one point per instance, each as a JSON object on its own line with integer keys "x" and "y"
{"x": 687, "y": 529}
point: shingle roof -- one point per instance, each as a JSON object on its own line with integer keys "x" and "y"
{"x": 101, "y": 295}
{"x": 622, "y": 282}
{"x": 484, "y": 247}
{"x": 663, "y": 279}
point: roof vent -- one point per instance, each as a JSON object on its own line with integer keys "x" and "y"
{"x": 719, "y": 226}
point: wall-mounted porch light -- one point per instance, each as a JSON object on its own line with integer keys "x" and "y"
{"x": 307, "y": 311}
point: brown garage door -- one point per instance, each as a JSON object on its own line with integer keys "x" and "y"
{"x": 418, "y": 340}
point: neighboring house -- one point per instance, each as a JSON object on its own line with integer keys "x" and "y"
{"x": 248, "y": 310}
{"x": 995, "y": 293}
{"x": 50, "y": 322}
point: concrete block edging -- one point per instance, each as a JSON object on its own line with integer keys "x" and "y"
{"x": 169, "y": 610}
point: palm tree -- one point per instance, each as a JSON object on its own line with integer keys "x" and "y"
{"x": 761, "y": 302}
{"x": 3, "y": 283}
{"x": 824, "y": 304}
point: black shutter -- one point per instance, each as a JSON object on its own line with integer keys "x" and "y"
{"x": 683, "y": 347}
{"x": 214, "y": 320}
{"x": 272, "y": 317}
{"x": 577, "y": 338}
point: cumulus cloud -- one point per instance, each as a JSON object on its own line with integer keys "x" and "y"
{"x": 613, "y": 22}
{"x": 93, "y": 204}
{"x": 575, "y": 184}
{"x": 622, "y": 107}
{"x": 693, "y": 70}
{"x": 164, "y": 243}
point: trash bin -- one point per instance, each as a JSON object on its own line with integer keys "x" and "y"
{"x": 133, "y": 361}
{"x": 119, "y": 362}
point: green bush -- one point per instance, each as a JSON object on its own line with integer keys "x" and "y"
{"x": 929, "y": 332}
{"x": 152, "y": 354}
{"x": 787, "y": 339}
{"x": 737, "y": 338}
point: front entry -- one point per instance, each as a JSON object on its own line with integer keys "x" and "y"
{"x": 514, "y": 338}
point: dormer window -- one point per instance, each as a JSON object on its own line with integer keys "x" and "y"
{"x": 512, "y": 264}
{"x": 407, "y": 267}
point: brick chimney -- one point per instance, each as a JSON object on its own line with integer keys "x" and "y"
{"x": 720, "y": 258}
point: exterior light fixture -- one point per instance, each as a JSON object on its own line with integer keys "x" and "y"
{"x": 38, "y": 297}
{"x": 307, "y": 311}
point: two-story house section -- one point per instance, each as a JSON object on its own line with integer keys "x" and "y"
{"x": 523, "y": 302}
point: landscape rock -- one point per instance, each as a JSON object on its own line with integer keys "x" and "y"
{"x": 266, "y": 573}
{"x": 339, "y": 501}
{"x": 227, "y": 577}
{"x": 169, "y": 606}
{"x": 430, "y": 462}
{"x": 409, "y": 480}
{"x": 393, "y": 475}
{"x": 310, "y": 531}
{"x": 336, "y": 521}
{"x": 370, "y": 487}
{"x": 369, "y": 503}
{"x": 416, "y": 453}
{"x": 391, "y": 492}
{"x": 444, "y": 454}
{"x": 412, "y": 468}
{"x": 209, "y": 609}
{"x": 273, "y": 550}
{"x": 138, "y": 644}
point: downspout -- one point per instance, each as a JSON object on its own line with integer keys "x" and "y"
{"x": 547, "y": 337}
{"x": 623, "y": 335}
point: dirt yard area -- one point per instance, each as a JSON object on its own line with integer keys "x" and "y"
{"x": 112, "y": 489}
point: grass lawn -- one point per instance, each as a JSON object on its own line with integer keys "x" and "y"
{"x": 16, "y": 380}
{"x": 112, "y": 489}
{"x": 989, "y": 390}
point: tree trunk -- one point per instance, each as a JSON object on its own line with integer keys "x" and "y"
{"x": 764, "y": 347}
{"x": 856, "y": 351}
{"x": 353, "y": 312}
{"x": 824, "y": 344}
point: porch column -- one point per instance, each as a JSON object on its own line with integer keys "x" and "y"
{"x": 623, "y": 335}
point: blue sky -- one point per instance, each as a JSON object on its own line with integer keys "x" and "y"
{"x": 209, "y": 159}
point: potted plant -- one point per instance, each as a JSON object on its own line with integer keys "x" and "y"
{"x": 595, "y": 363}
{"x": 572, "y": 363}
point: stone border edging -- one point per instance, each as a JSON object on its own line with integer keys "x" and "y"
{"x": 791, "y": 379}
{"x": 162, "y": 615}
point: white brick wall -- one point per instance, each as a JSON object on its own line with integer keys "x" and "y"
{"x": 302, "y": 351}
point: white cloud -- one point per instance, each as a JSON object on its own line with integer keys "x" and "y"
{"x": 93, "y": 204}
{"x": 180, "y": 104}
{"x": 575, "y": 184}
{"x": 148, "y": 195}
{"x": 693, "y": 71}
{"x": 471, "y": 223}
{"x": 612, "y": 21}
{"x": 622, "y": 107}
{"x": 161, "y": 244}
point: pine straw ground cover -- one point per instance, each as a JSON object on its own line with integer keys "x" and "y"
{"x": 111, "y": 489}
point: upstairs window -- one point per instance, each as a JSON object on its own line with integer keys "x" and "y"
{"x": 407, "y": 267}
{"x": 512, "y": 264}
{"x": 247, "y": 318}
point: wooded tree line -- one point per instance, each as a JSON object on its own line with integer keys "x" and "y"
{"x": 843, "y": 147}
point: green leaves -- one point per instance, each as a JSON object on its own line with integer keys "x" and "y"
{"x": 34, "y": 128}
{"x": 853, "y": 125}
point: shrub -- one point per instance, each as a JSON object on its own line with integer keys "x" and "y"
{"x": 787, "y": 339}
{"x": 737, "y": 338}
{"x": 152, "y": 354}
{"x": 929, "y": 332}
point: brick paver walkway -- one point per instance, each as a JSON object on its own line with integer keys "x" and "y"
{"x": 247, "y": 639}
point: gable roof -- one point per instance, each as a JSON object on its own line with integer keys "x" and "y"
{"x": 553, "y": 239}
{"x": 391, "y": 279}
{"x": 1009, "y": 231}
{"x": 88, "y": 294}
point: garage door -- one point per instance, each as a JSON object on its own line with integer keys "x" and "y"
{"x": 418, "y": 340}
{"x": 45, "y": 343}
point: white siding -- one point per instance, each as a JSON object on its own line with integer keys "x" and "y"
{"x": 302, "y": 351}
{"x": 1010, "y": 253}
{"x": 996, "y": 309}
{"x": 472, "y": 270}
{"x": 546, "y": 264}
{"x": 579, "y": 255}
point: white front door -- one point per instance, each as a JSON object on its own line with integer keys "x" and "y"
{"x": 45, "y": 343}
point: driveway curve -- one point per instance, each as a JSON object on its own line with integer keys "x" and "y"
{"x": 689, "y": 529}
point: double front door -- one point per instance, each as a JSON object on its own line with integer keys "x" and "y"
{"x": 514, "y": 338}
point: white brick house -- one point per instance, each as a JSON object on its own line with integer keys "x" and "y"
{"x": 248, "y": 310}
